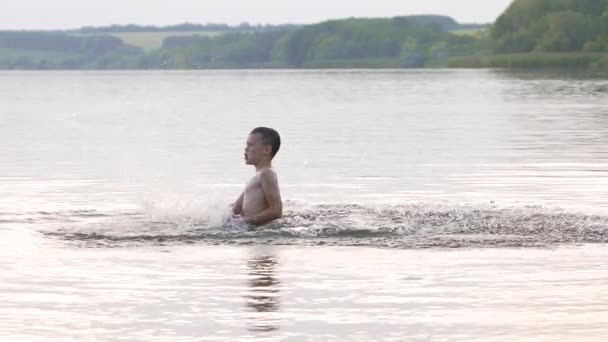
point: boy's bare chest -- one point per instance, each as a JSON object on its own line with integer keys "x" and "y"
{"x": 254, "y": 183}
{"x": 253, "y": 200}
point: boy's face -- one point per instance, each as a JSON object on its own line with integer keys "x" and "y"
{"x": 256, "y": 150}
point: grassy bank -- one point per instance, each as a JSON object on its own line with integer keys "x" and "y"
{"x": 575, "y": 60}
{"x": 151, "y": 40}
{"x": 472, "y": 32}
{"x": 360, "y": 63}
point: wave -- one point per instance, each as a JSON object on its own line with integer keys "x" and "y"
{"x": 419, "y": 225}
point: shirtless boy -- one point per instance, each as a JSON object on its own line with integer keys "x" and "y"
{"x": 260, "y": 203}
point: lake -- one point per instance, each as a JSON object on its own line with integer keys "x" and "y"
{"x": 419, "y": 205}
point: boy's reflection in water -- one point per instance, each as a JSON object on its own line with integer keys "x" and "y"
{"x": 263, "y": 296}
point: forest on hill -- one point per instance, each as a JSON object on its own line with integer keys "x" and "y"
{"x": 552, "y": 26}
{"x": 409, "y": 41}
{"x": 557, "y": 34}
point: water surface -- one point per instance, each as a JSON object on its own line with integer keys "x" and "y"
{"x": 420, "y": 205}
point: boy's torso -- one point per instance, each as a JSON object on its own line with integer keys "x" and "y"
{"x": 254, "y": 201}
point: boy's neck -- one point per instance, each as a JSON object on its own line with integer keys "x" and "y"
{"x": 263, "y": 165}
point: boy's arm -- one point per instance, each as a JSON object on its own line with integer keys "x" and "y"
{"x": 270, "y": 187}
{"x": 237, "y": 207}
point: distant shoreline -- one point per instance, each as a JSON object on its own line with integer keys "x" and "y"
{"x": 506, "y": 62}
{"x": 565, "y": 60}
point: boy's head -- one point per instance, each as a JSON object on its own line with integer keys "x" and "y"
{"x": 262, "y": 143}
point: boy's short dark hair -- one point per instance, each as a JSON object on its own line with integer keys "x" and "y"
{"x": 269, "y": 137}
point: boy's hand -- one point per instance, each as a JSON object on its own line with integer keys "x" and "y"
{"x": 237, "y": 206}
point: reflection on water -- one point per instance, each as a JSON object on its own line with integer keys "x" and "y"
{"x": 219, "y": 293}
{"x": 263, "y": 298}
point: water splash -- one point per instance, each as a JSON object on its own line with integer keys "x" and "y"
{"x": 419, "y": 225}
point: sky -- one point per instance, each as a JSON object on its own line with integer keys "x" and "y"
{"x": 65, "y": 14}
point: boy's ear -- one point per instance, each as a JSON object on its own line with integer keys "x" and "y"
{"x": 268, "y": 149}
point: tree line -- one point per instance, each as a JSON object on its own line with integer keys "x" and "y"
{"x": 411, "y": 41}
{"x": 415, "y": 41}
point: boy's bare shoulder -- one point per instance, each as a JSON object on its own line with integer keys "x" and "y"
{"x": 268, "y": 174}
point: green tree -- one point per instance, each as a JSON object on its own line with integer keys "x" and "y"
{"x": 568, "y": 31}
{"x": 550, "y": 25}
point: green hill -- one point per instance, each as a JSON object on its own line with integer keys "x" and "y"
{"x": 554, "y": 34}
{"x": 552, "y": 26}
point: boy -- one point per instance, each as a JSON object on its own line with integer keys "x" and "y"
{"x": 260, "y": 202}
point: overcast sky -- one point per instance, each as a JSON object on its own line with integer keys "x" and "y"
{"x": 61, "y": 14}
